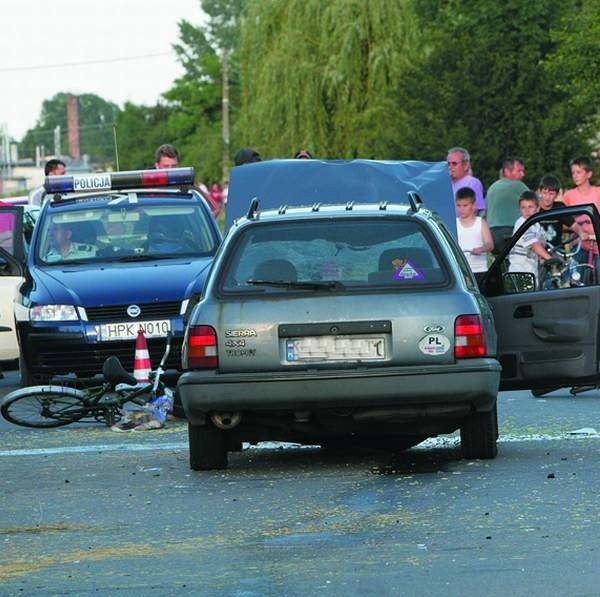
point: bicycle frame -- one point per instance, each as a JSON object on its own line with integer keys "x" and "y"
{"x": 59, "y": 403}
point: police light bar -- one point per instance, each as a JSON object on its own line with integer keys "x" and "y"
{"x": 133, "y": 179}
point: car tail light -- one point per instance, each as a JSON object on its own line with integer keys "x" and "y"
{"x": 469, "y": 338}
{"x": 202, "y": 348}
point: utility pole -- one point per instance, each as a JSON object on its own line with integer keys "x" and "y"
{"x": 225, "y": 107}
{"x": 6, "y": 163}
{"x": 57, "y": 140}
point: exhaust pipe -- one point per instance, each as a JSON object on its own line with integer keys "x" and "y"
{"x": 226, "y": 420}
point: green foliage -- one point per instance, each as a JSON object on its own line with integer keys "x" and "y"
{"x": 139, "y": 131}
{"x": 195, "y": 120}
{"x": 322, "y": 75}
{"x": 574, "y": 65}
{"x": 482, "y": 84}
{"x": 96, "y": 118}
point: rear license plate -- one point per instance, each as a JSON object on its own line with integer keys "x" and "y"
{"x": 126, "y": 330}
{"x": 335, "y": 348}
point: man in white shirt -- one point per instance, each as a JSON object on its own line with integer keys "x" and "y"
{"x": 53, "y": 167}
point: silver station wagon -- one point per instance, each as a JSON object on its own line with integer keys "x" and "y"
{"x": 331, "y": 324}
{"x": 361, "y": 323}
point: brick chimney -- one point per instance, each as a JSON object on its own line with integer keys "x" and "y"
{"x": 73, "y": 126}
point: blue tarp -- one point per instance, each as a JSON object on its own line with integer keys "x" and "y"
{"x": 305, "y": 182}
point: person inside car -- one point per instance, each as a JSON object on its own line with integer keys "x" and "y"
{"x": 64, "y": 248}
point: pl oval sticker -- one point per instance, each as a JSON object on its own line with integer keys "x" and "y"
{"x": 434, "y": 344}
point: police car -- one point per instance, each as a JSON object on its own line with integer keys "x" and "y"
{"x": 111, "y": 253}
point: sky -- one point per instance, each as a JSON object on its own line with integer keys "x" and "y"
{"x": 122, "y": 50}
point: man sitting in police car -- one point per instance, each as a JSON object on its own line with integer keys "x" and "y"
{"x": 64, "y": 249}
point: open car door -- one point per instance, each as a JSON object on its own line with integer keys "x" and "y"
{"x": 12, "y": 256}
{"x": 548, "y": 321}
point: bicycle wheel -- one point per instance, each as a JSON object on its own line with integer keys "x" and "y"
{"x": 44, "y": 406}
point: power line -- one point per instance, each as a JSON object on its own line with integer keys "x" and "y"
{"x": 82, "y": 63}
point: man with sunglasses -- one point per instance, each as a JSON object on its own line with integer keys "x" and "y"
{"x": 459, "y": 166}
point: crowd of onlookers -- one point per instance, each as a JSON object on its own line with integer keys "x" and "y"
{"x": 485, "y": 222}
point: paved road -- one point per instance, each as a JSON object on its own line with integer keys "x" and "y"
{"x": 89, "y": 511}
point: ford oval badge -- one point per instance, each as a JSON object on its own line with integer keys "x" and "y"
{"x": 133, "y": 310}
{"x": 433, "y": 329}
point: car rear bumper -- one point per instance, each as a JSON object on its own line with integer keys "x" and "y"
{"x": 417, "y": 391}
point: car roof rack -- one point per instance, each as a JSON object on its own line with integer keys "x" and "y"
{"x": 253, "y": 209}
{"x": 415, "y": 201}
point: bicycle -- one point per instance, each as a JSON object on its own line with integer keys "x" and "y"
{"x": 564, "y": 270}
{"x": 55, "y": 405}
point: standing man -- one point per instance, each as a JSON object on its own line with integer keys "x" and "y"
{"x": 503, "y": 201}
{"x": 166, "y": 156}
{"x": 459, "y": 165}
{"x": 53, "y": 167}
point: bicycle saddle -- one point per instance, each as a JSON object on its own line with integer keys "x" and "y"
{"x": 114, "y": 373}
{"x": 553, "y": 261}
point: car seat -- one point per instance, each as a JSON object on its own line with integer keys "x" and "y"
{"x": 276, "y": 270}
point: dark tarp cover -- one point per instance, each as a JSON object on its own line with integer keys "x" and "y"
{"x": 305, "y": 182}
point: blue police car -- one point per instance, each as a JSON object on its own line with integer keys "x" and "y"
{"x": 112, "y": 253}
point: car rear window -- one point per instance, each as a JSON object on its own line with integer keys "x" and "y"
{"x": 357, "y": 253}
{"x": 125, "y": 230}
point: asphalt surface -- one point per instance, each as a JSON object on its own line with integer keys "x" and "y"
{"x": 90, "y": 511}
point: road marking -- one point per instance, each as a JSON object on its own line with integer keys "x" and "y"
{"x": 437, "y": 442}
{"x": 96, "y": 448}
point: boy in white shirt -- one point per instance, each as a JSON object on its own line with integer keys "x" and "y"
{"x": 474, "y": 236}
{"x": 529, "y": 251}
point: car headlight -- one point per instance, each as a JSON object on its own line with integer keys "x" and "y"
{"x": 53, "y": 313}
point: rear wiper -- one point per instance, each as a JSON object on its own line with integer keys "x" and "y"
{"x": 316, "y": 285}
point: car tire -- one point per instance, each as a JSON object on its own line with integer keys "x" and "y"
{"x": 478, "y": 435}
{"x": 26, "y": 377}
{"x": 208, "y": 448}
{"x": 177, "y": 406}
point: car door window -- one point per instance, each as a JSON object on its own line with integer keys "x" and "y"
{"x": 574, "y": 258}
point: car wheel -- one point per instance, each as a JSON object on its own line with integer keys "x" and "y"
{"x": 26, "y": 377}
{"x": 478, "y": 435}
{"x": 208, "y": 450}
{"x": 178, "y": 407}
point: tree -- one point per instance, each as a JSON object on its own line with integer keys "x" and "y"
{"x": 196, "y": 98}
{"x": 139, "y": 131}
{"x": 574, "y": 65}
{"x": 482, "y": 83}
{"x": 96, "y": 119}
{"x": 323, "y": 75}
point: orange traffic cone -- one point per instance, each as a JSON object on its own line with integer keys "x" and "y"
{"x": 141, "y": 363}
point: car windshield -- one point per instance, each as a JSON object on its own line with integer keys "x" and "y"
{"x": 326, "y": 256}
{"x": 124, "y": 231}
